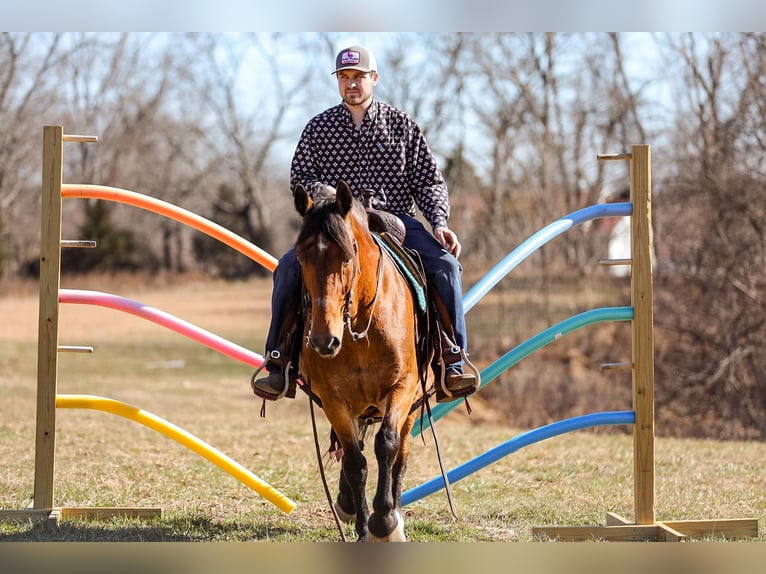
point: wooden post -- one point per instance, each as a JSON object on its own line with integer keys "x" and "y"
{"x": 48, "y": 326}
{"x": 645, "y": 526}
{"x": 642, "y": 332}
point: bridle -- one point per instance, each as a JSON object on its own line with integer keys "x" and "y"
{"x": 347, "y": 306}
{"x": 358, "y": 335}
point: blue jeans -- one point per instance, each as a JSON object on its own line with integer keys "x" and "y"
{"x": 442, "y": 269}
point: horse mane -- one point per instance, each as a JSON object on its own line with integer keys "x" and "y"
{"x": 324, "y": 218}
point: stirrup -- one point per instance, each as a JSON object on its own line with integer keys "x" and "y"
{"x": 443, "y": 394}
{"x": 288, "y": 390}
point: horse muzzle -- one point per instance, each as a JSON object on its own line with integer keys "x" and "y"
{"x": 326, "y": 345}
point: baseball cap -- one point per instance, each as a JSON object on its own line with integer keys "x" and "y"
{"x": 355, "y": 58}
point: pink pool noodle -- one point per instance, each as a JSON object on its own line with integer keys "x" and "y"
{"x": 224, "y": 346}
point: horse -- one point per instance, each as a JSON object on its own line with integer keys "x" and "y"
{"x": 359, "y": 353}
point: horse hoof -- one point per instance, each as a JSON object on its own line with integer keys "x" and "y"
{"x": 343, "y": 515}
{"x": 396, "y": 535}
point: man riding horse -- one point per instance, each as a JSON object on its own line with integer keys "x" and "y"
{"x": 374, "y": 146}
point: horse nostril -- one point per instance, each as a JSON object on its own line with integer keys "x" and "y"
{"x": 328, "y": 347}
{"x": 334, "y": 345}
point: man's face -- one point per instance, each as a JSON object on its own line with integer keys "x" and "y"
{"x": 356, "y": 87}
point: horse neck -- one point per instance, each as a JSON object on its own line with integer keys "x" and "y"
{"x": 368, "y": 260}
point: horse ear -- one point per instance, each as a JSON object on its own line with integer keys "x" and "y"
{"x": 301, "y": 200}
{"x": 343, "y": 197}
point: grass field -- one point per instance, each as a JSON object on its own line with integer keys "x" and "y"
{"x": 102, "y": 460}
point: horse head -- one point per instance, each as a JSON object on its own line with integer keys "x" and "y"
{"x": 327, "y": 252}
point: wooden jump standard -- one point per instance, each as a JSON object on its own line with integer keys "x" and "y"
{"x": 645, "y": 527}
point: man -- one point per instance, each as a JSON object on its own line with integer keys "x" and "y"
{"x": 373, "y": 146}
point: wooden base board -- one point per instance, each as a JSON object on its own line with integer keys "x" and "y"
{"x": 54, "y": 515}
{"x": 619, "y": 529}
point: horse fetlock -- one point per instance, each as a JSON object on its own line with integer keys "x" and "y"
{"x": 394, "y": 532}
{"x": 344, "y": 516}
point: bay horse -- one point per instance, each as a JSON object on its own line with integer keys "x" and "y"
{"x": 359, "y": 353}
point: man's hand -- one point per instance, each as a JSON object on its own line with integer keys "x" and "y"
{"x": 449, "y": 240}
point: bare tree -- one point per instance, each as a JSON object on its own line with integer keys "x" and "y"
{"x": 411, "y": 66}
{"x": 119, "y": 87}
{"x": 28, "y": 88}
{"x": 712, "y": 222}
{"x": 547, "y": 104}
{"x": 245, "y": 124}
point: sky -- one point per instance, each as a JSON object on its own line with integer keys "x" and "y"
{"x": 366, "y": 22}
{"x": 382, "y": 15}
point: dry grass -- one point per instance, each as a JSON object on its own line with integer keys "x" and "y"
{"x": 106, "y": 461}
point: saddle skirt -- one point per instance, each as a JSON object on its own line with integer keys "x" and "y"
{"x": 410, "y": 267}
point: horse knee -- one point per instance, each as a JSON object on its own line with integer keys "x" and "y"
{"x": 386, "y": 444}
{"x": 354, "y": 466}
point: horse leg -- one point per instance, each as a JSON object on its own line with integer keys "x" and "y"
{"x": 400, "y": 465}
{"x": 386, "y": 523}
{"x": 344, "y": 503}
{"x": 352, "y": 496}
{"x": 355, "y": 473}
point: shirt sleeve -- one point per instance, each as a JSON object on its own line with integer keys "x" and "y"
{"x": 303, "y": 171}
{"x": 428, "y": 185}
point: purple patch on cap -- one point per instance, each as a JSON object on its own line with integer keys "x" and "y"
{"x": 350, "y": 57}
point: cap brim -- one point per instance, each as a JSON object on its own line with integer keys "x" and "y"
{"x": 358, "y": 68}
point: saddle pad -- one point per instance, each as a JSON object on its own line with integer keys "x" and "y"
{"x": 408, "y": 266}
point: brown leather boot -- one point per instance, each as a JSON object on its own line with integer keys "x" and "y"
{"x": 452, "y": 382}
{"x": 457, "y": 381}
{"x": 455, "y": 384}
{"x": 274, "y": 386}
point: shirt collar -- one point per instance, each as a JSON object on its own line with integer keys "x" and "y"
{"x": 370, "y": 115}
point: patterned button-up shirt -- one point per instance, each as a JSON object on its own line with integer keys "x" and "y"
{"x": 388, "y": 153}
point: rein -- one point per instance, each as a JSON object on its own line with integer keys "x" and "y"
{"x": 318, "y": 450}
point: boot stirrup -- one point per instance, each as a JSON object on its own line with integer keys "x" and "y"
{"x": 443, "y": 392}
{"x": 274, "y": 357}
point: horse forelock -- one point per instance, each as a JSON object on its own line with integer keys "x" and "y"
{"x": 324, "y": 220}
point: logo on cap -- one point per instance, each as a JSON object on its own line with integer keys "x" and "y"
{"x": 349, "y": 58}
